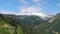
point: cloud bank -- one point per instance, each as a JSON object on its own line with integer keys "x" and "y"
{"x": 32, "y": 10}
{"x": 7, "y": 12}
{"x": 28, "y": 10}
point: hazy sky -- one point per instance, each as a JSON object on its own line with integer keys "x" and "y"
{"x": 29, "y": 6}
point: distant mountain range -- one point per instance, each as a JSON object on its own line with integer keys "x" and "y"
{"x": 29, "y": 24}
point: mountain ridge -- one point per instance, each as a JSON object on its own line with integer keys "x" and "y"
{"x": 31, "y": 24}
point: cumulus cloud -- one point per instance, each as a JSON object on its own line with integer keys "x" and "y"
{"x": 29, "y": 10}
{"x": 34, "y": 10}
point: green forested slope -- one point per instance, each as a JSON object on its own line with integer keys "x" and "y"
{"x": 6, "y": 28}
{"x": 9, "y": 27}
{"x": 12, "y": 24}
{"x": 50, "y": 28}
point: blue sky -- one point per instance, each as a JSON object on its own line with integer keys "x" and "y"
{"x": 30, "y": 6}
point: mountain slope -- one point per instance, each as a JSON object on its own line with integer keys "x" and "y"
{"x": 8, "y": 27}
{"x": 50, "y": 27}
{"x": 32, "y": 24}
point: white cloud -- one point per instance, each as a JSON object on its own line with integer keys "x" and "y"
{"x": 34, "y": 10}
{"x": 6, "y": 12}
{"x": 29, "y": 10}
{"x": 23, "y": 1}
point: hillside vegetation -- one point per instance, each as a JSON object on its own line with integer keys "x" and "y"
{"x": 23, "y": 24}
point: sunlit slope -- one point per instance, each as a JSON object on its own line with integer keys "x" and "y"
{"x": 9, "y": 27}
{"x": 6, "y": 28}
